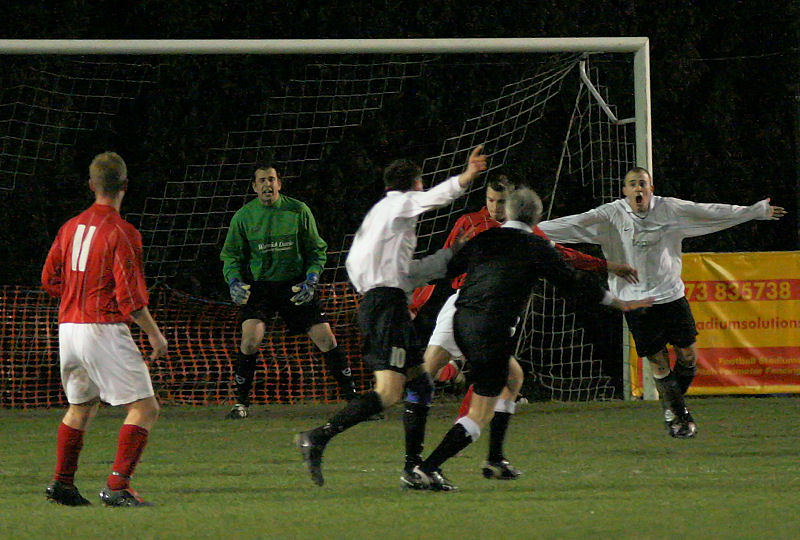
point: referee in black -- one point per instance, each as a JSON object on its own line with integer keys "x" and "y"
{"x": 502, "y": 265}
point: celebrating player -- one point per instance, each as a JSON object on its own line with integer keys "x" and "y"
{"x": 442, "y": 347}
{"x": 95, "y": 267}
{"x": 272, "y": 259}
{"x": 381, "y": 266}
{"x": 502, "y": 265}
{"x": 646, "y": 231}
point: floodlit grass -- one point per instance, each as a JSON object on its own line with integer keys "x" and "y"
{"x": 598, "y": 470}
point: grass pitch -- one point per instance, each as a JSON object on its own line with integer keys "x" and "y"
{"x": 597, "y": 470}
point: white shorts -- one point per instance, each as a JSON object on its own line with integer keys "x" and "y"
{"x": 102, "y": 360}
{"x": 443, "y": 332}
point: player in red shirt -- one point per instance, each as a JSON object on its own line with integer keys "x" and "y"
{"x": 95, "y": 267}
{"x": 441, "y": 347}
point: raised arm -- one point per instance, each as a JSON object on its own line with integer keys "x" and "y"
{"x": 476, "y": 164}
{"x": 418, "y": 202}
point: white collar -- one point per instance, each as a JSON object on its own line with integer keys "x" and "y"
{"x": 518, "y": 225}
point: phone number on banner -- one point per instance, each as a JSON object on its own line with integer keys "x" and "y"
{"x": 733, "y": 291}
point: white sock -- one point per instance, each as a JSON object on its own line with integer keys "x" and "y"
{"x": 470, "y": 426}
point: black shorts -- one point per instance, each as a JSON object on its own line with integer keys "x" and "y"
{"x": 269, "y": 297}
{"x": 661, "y": 324}
{"x": 389, "y": 338}
{"x": 487, "y": 344}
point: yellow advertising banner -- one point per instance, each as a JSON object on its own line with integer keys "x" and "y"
{"x": 747, "y": 310}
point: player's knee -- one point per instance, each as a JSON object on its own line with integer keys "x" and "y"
{"x": 435, "y": 358}
{"x": 249, "y": 346}
{"x": 659, "y": 362}
{"x": 79, "y": 416}
{"x": 687, "y": 357}
{"x": 420, "y": 389}
{"x": 152, "y": 415}
{"x": 515, "y": 376}
{"x": 325, "y": 342}
{"x": 150, "y": 409}
{"x": 389, "y": 396}
{"x": 322, "y": 336}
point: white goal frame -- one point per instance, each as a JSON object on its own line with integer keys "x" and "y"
{"x": 638, "y": 46}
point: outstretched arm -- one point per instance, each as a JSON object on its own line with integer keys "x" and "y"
{"x": 555, "y": 269}
{"x": 625, "y": 271}
{"x": 696, "y": 219}
{"x": 775, "y": 212}
{"x": 583, "y": 261}
{"x": 589, "y": 227}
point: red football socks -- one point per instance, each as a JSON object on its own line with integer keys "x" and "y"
{"x": 131, "y": 443}
{"x": 69, "y": 442}
{"x": 465, "y": 403}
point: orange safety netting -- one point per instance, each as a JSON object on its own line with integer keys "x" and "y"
{"x": 203, "y": 339}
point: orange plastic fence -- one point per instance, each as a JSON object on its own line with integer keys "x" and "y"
{"x": 198, "y": 370}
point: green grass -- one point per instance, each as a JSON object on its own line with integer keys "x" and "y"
{"x": 598, "y": 470}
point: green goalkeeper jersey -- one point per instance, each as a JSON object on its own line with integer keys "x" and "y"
{"x": 272, "y": 243}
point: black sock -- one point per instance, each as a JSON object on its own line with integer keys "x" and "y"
{"x": 356, "y": 411}
{"x": 497, "y": 435}
{"x": 244, "y": 373}
{"x": 337, "y": 365}
{"x": 415, "y": 416}
{"x": 671, "y": 395}
{"x": 454, "y": 442}
{"x": 685, "y": 375}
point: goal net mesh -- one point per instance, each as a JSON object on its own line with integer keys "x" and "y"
{"x": 324, "y": 121}
{"x": 598, "y": 150}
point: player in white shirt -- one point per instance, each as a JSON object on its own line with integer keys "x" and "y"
{"x": 382, "y": 269}
{"x": 645, "y": 231}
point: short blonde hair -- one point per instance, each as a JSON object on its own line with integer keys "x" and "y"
{"x": 109, "y": 172}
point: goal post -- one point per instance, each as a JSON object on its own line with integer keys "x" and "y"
{"x": 184, "y": 219}
{"x": 639, "y": 46}
{"x": 324, "y": 46}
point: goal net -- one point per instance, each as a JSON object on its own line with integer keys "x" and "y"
{"x": 192, "y": 128}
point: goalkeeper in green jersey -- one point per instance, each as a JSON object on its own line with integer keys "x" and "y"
{"x": 271, "y": 260}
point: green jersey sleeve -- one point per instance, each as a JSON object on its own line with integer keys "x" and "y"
{"x": 235, "y": 252}
{"x": 313, "y": 247}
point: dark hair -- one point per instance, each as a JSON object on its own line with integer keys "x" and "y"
{"x": 640, "y": 170}
{"x": 500, "y": 183}
{"x": 400, "y": 175}
{"x": 265, "y": 166}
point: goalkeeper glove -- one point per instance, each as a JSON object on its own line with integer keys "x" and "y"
{"x": 240, "y": 291}
{"x": 305, "y": 290}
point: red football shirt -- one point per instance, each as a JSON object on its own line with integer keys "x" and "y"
{"x": 95, "y": 267}
{"x": 480, "y": 221}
